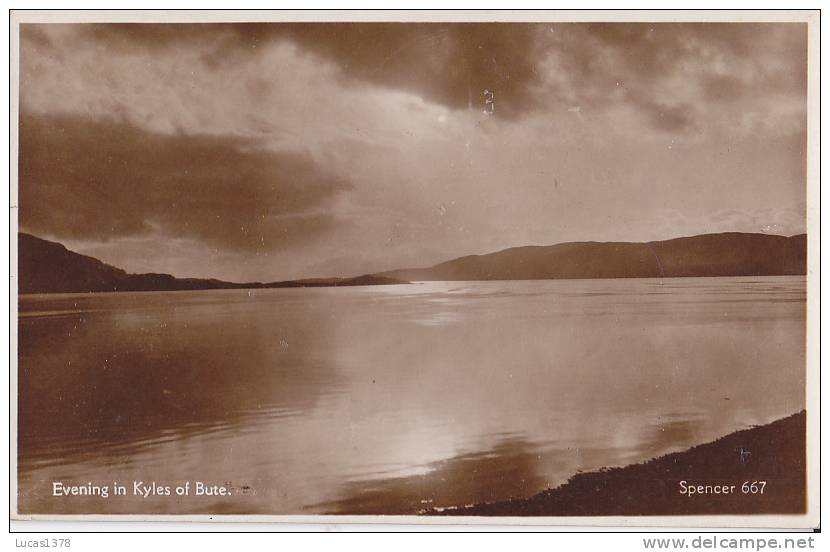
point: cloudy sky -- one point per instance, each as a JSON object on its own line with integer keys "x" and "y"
{"x": 271, "y": 151}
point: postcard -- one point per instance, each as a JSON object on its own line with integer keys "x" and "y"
{"x": 553, "y": 268}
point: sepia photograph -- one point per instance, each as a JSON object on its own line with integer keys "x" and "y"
{"x": 458, "y": 267}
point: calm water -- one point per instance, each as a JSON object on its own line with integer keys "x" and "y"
{"x": 391, "y": 398}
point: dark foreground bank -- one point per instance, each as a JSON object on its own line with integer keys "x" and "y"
{"x": 754, "y": 471}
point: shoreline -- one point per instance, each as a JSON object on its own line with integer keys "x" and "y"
{"x": 707, "y": 479}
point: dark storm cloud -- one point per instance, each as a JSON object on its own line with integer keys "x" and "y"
{"x": 453, "y": 63}
{"x": 450, "y": 64}
{"x": 103, "y": 179}
{"x": 713, "y": 62}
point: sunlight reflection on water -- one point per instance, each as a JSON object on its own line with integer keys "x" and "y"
{"x": 386, "y": 398}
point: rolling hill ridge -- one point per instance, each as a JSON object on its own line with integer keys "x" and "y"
{"x": 727, "y": 254}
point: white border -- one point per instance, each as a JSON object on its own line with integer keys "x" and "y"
{"x": 812, "y": 18}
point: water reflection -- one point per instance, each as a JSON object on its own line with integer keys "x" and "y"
{"x": 392, "y": 398}
{"x": 108, "y": 382}
{"x": 506, "y": 470}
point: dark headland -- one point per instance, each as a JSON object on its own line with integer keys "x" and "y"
{"x": 774, "y": 453}
{"x": 49, "y": 267}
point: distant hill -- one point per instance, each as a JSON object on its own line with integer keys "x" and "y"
{"x": 728, "y": 254}
{"x": 49, "y": 267}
